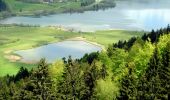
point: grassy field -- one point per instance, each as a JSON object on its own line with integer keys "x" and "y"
{"x": 14, "y": 38}
{"x": 20, "y": 8}
{"x": 111, "y": 36}
{"x": 23, "y": 8}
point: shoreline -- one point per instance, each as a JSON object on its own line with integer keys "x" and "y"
{"x": 12, "y": 57}
{"x": 78, "y": 11}
{"x": 85, "y": 40}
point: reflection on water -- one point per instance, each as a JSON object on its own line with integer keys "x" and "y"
{"x": 128, "y": 14}
{"x": 150, "y": 18}
{"x": 57, "y": 51}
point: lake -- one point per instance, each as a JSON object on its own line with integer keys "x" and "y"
{"x": 129, "y": 15}
{"x": 55, "y": 51}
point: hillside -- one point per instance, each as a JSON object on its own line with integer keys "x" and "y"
{"x": 46, "y": 7}
{"x": 135, "y": 69}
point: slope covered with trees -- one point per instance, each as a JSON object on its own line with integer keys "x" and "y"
{"x": 137, "y": 69}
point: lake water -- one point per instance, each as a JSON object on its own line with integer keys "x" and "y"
{"x": 128, "y": 14}
{"x": 58, "y": 50}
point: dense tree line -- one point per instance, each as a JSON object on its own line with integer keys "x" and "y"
{"x": 96, "y": 5}
{"x": 153, "y": 36}
{"x": 140, "y": 70}
{"x": 76, "y": 83}
{"x": 87, "y": 2}
{"x": 3, "y": 5}
{"x": 154, "y": 82}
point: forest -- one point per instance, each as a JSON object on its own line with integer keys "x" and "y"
{"x": 137, "y": 69}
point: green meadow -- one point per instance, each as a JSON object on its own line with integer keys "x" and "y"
{"x": 111, "y": 36}
{"x": 14, "y": 38}
{"x": 23, "y": 8}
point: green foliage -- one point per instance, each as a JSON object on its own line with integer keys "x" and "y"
{"x": 154, "y": 83}
{"x": 106, "y": 89}
{"x": 41, "y": 81}
{"x": 149, "y": 82}
{"x": 139, "y": 71}
{"x": 17, "y": 37}
{"x": 87, "y": 2}
{"x": 119, "y": 60}
{"x": 140, "y": 53}
{"x": 164, "y": 73}
{"x": 39, "y": 84}
{"x": 90, "y": 57}
{"x": 46, "y": 7}
{"x": 71, "y": 87}
{"x": 56, "y": 70}
{"x": 3, "y": 5}
{"x": 163, "y": 41}
{"x": 128, "y": 88}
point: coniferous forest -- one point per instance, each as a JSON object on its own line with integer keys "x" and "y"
{"x": 137, "y": 69}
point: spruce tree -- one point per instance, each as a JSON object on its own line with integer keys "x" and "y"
{"x": 39, "y": 84}
{"x": 149, "y": 84}
{"x": 103, "y": 71}
{"x": 4, "y": 90}
{"x": 91, "y": 75}
{"x": 168, "y": 29}
{"x": 71, "y": 87}
{"x": 128, "y": 85}
{"x": 42, "y": 81}
{"x": 164, "y": 73}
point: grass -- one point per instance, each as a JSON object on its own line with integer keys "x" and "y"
{"x": 14, "y": 38}
{"x": 20, "y": 8}
{"x": 111, "y": 36}
{"x": 23, "y": 8}
{"x": 17, "y": 38}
